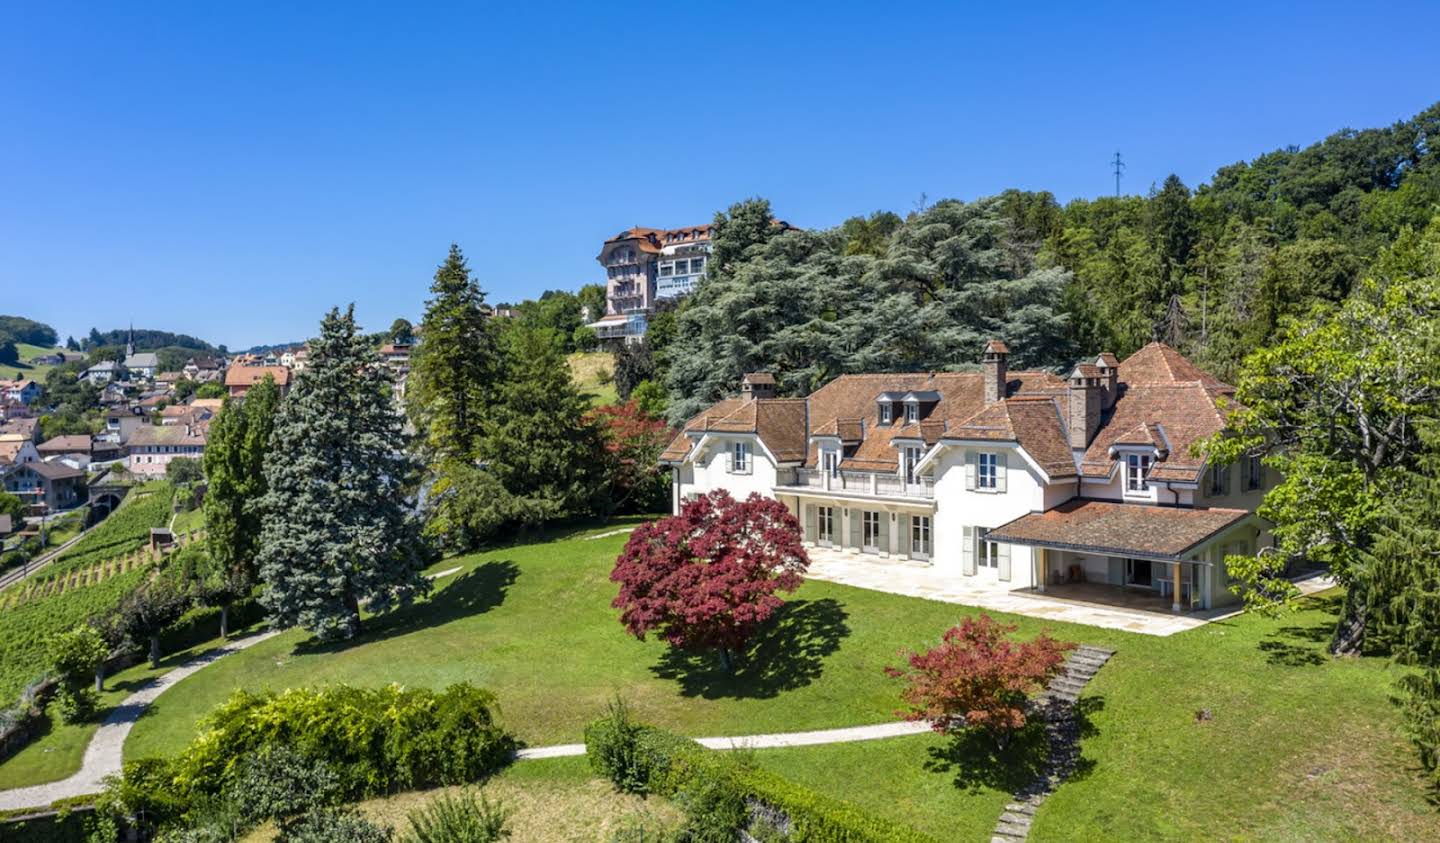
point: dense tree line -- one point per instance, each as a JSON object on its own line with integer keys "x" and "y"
{"x": 1216, "y": 271}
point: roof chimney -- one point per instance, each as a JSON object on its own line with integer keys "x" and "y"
{"x": 994, "y": 365}
{"x": 1085, "y": 397}
{"x": 1109, "y": 378}
{"x": 757, "y": 385}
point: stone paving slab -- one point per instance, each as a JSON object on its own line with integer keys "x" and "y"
{"x": 932, "y": 583}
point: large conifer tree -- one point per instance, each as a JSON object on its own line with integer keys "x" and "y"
{"x": 336, "y": 528}
{"x": 455, "y": 365}
{"x": 234, "y": 463}
{"x": 540, "y": 441}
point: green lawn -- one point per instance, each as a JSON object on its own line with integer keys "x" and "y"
{"x": 27, "y": 369}
{"x": 593, "y": 372}
{"x": 1297, "y": 746}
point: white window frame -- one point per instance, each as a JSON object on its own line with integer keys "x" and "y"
{"x": 987, "y": 480}
{"x": 1255, "y": 473}
{"x": 825, "y": 525}
{"x": 921, "y": 537}
{"x": 912, "y": 412}
{"x": 911, "y": 458}
{"x": 869, "y": 530}
{"x": 1136, "y": 467}
{"x": 740, "y": 454}
{"x": 887, "y": 412}
{"x": 830, "y": 462}
{"x": 987, "y": 554}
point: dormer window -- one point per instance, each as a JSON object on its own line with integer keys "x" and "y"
{"x": 887, "y": 412}
{"x": 912, "y": 412}
{"x": 1136, "y": 467}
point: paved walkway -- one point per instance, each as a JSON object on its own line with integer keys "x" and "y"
{"x": 849, "y": 734}
{"x": 102, "y": 756}
{"x": 917, "y": 580}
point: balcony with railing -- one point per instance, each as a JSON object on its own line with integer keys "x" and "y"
{"x": 869, "y": 483}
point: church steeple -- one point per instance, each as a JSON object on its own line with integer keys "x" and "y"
{"x": 130, "y": 342}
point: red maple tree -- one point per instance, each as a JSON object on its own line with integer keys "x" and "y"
{"x": 633, "y": 443}
{"x": 706, "y": 579}
{"x": 977, "y": 677}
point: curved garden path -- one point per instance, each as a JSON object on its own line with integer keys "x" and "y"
{"x": 103, "y": 755}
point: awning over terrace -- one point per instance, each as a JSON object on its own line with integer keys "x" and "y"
{"x": 1109, "y": 528}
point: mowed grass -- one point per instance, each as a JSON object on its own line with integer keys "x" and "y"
{"x": 1295, "y": 745}
{"x": 549, "y": 801}
{"x": 593, "y": 373}
{"x": 25, "y": 368}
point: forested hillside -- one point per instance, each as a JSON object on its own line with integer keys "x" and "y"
{"x": 1214, "y": 271}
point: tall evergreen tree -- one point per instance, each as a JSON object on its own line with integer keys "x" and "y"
{"x": 336, "y": 529}
{"x": 234, "y": 464}
{"x": 454, "y": 368}
{"x": 540, "y": 441}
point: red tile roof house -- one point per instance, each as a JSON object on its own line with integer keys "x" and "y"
{"x": 239, "y": 379}
{"x": 153, "y": 446}
{"x": 1082, "y": 486}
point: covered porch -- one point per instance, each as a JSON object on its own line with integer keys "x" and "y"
{"x": 1132, "y": 556}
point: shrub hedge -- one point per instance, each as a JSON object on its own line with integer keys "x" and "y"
{"x": 378, "y": 740}
{"x": 643, "y": 759}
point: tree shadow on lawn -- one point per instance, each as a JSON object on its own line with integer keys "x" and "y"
{"x": 1304, "y": 646}
{"x": 975, "y": 761}
{"x": 788, "y": 653}
{"x": 472, "y": 593}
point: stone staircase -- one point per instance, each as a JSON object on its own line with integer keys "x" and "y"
{"x": 1056, "y": 705}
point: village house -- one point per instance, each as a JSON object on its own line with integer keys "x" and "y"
{"x": 1081, "y": 486}
{"x": 120, "y": 423}
{"x": 51, "y": 485}
{"x": 24, "y": 391}
{"x": 202, "y": 369}
{"x": 153, "y": 446}
{"x": 103, "y": 372}
{"x": 239, "y": 379}
{"x": 15, "y": 450}
{"x": 22, "y": 428}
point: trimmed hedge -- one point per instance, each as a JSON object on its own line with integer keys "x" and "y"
{"x": 643, "y": 759}
{"x": 379, "y": 740}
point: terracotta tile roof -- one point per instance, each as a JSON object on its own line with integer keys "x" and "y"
{"x": 1118, "y": 529}
{"x": 54, "y": 470}
{"x": 759, "y": 378}
{"x": 77, "y": 443}
{"x": 1164, "y": 401}
{"x": 251, "y": 375}
{"x": 1159, "y": 363}
{"x": 997, "y": 347}
{"x": 10, "y": 450}
{"x": 1108, "y": 360}
{"x": 167, "y": 434}
{"x": 778, "y": 422}
{"x": 1034, "y": 421}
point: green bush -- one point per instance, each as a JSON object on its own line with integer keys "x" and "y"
{"x": 277, "y": 783}
{"x": 333, "y": 826}
{"x": 467, "y": 818}
{"x": 710, "y": 786}
{"x": 75, "y": 705}
{"x": 378, "y": 740}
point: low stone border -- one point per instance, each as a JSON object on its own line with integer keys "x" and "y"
{"x": 1062, "y": 727}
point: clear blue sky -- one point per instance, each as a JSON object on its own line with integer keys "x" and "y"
{"x": 232, "y": 170}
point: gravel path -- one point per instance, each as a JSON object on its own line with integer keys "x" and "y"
{"x": 102, "y": 756}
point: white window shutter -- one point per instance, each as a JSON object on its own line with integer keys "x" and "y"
{"x": 856, "y": 536}
{"x": 967, "y": 551}
{"x": 811, "y": 531}
{"x": 970, "y": 460}
{"x": 1002, "y": 556}
{"x": 1000, "y": 472}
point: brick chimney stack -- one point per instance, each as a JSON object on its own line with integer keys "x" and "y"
{"x": 757, "y": 385}
{"x": 996, "y": 371}
{"x": 1085, "y": 397}
{"x": 1109, "y": 378}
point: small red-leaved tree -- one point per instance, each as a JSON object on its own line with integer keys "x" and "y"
{"x": 706, "y": 579}
{"x": 633, "y": 442}
{"x": 977, "y": 677}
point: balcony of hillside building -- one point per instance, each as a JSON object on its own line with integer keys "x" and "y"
{"x": 863, "y": 483}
